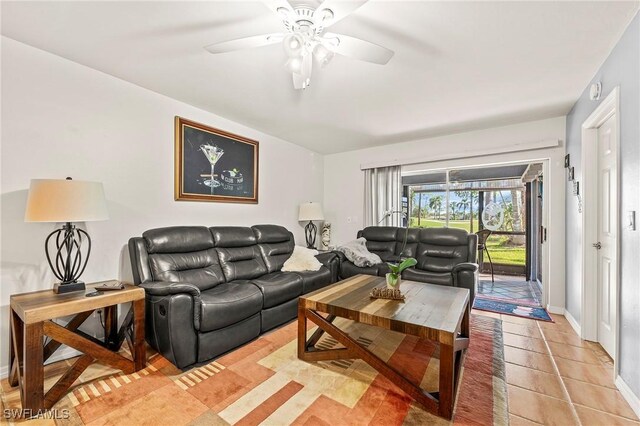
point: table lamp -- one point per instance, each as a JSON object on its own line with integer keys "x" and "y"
{"x": 66, "y": 201}
{"x": 310, "y": 211}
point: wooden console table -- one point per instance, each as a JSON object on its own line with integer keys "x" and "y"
{"x": 30, "y": 319}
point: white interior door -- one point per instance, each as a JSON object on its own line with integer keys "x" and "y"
{"x": 607, "y": 234}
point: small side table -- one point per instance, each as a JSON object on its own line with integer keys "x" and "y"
{"x": 30, "y": 320}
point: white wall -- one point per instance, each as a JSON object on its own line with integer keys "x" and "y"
{"x": 343, "y": 171}
{"x": 63, "y": 119}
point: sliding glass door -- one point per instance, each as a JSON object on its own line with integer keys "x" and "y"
{"x": 474, "y": 199}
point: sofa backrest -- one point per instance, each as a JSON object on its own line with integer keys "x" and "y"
{"x": 238, "y": 252}
{"x": 275, "y": 243}
{"x": 440, "y": 249}
{"x": 409, "y": 247}
{"x": 179, "y": 254}
{"x": 381, "y": 240}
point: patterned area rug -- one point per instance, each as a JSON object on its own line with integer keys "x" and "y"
{"x": 264, "y": 383}
{"x": 493, "y": 304}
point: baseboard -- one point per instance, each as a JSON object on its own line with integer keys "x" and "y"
{"x": 555, "y": 310}
{"x": 628, "y": 395}
{"x": 60, "y": 355}
{"x": 574, "y": 324}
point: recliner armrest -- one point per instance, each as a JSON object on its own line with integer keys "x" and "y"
{"x": 326, "y": 258}
{"x": 331, "y": 260}
{"x": 465, "y": 275}
{"x": 466, "y": 266}
{"x": 164, "y": 288}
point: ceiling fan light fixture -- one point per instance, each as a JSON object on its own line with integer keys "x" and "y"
{"x": 322, "y": 54}
{"x": 294, "y": 65}
{"x": 293, "y": 44}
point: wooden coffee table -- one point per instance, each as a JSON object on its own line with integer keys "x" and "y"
{"x": 432, "y": 312}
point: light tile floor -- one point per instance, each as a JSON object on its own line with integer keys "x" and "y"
{"x": 555, "y": 378}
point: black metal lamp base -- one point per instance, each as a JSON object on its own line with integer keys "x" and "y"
{"x": 60, "y": 288}
{"x": 310, "y": 231}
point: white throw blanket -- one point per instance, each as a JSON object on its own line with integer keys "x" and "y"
{"x": 302, "y": 259}
{"x": 356, "y": 251}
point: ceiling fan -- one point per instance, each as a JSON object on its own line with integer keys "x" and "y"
{"x": 304, "y": 37}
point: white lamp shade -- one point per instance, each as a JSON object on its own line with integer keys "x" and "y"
{"x": 310, "y": 211}
{"x": 60, "y": 200}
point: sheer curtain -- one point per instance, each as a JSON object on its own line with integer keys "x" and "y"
{"x": 382, "y": 194}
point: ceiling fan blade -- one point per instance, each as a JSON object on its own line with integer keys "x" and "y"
{"x": 331, "y": 11}
{"x": 244, "y": 43}
{"x": 357, "y": 48}
{"x": 283, "y": 9}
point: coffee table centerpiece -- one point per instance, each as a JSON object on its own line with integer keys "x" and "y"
{"x": 394, "y": 277}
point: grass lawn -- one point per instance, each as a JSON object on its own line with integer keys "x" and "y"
{"x": 500, "y": 252}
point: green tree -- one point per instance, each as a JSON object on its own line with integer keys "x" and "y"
{"x": 435, "y": 204}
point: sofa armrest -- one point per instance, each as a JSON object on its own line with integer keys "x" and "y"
{"x": 466, "y": 266}
{"x": 326, "y": 258}
{"x": 163, "y": 288}
{"x": 331, "y": 260}
{"x": 465, "y": 275}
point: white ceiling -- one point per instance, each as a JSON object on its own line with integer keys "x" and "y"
{"x": 457, "y": 65}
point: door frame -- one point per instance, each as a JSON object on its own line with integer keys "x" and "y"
{"x": 589, "y": 312}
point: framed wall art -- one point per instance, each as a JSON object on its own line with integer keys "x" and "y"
{"x": 214, "y": 165}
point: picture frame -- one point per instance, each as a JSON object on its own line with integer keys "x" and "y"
{"x": 567, "y": 162}
{"x": 214, "y": 165}
{"x": 571, "y": 173}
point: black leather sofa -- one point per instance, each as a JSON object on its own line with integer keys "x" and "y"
{"x": 209, "y": 290}
{"x": 446, "y": 256}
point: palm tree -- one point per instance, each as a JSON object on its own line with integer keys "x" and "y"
{"x": 453, "y": 208}
{"x": 435, "y": 204}
{"x": 464, "y": 201}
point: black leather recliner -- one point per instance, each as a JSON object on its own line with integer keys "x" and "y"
{"x": 446, "y": 256}
{"x": 209, "y": 290}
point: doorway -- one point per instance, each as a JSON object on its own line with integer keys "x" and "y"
{"x": 503, "y": 204}
{"x": 601, "y": 228}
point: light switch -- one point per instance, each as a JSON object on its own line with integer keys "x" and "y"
{"x": 631, "y": 220}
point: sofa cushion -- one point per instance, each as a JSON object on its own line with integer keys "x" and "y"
{"x": 275, "y": 243}
{"x": 233, "y": 236}
{"x": 229, "y": 303}
{"x": 238, "y": 252}
{"x": 200, "y": 268}
{"x": 440, "y": 249}
{"x": 183, "y": 254}
{"x": 313, "y": 280}
{"x": 279, "y": 287}
{"x": 178, "y": 239}
{"x": 407, "y": 248}
{"x": 440, "y": 278}
{"x": 348, "y": 269}
{"x": 381, "y": 240}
